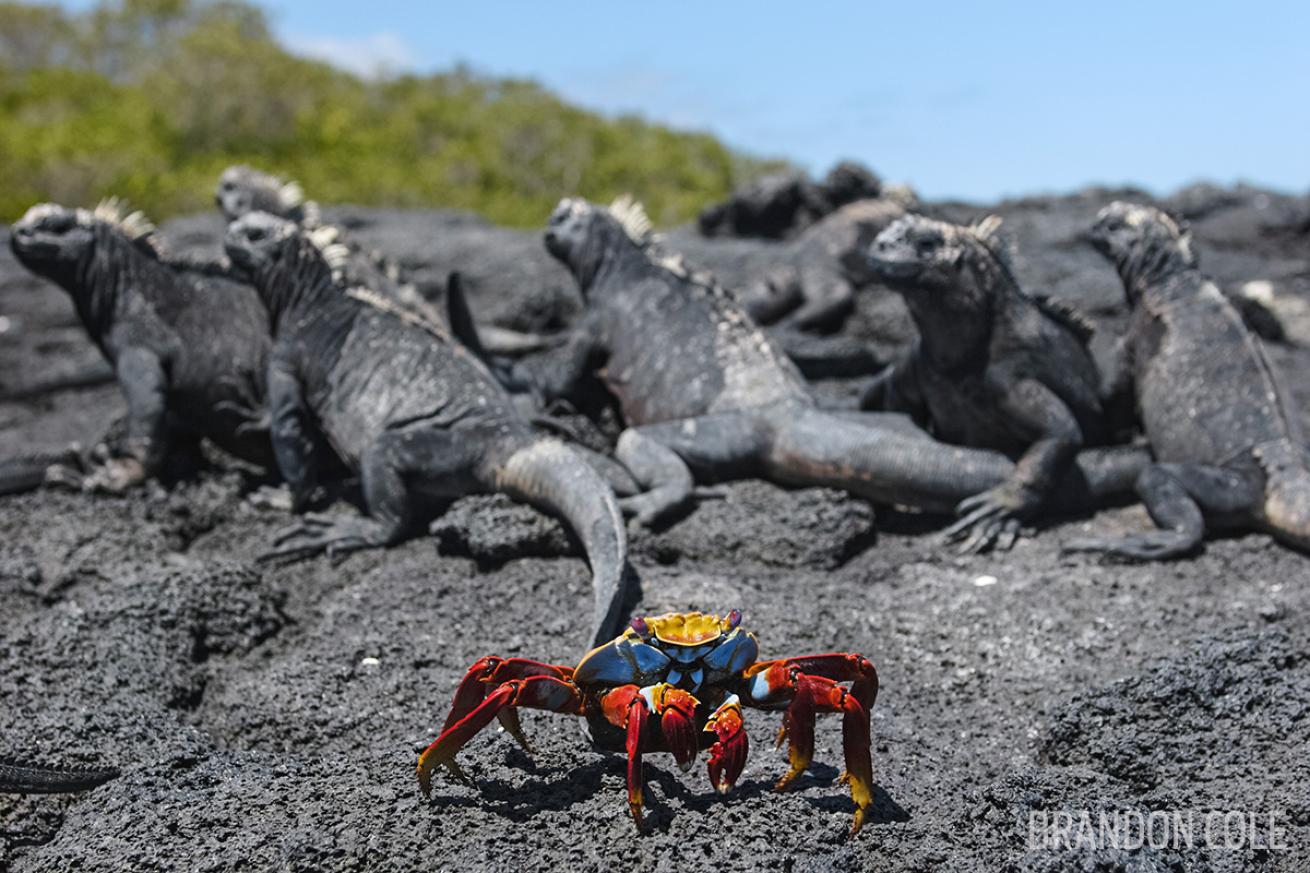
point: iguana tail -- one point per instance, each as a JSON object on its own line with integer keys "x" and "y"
{"x": 873, "y": 455}
{"x": 89, "y": 376}
{"x": 25, "y": 779}
{"x": 552, "y": 477}
{"x": 28, "y": 472}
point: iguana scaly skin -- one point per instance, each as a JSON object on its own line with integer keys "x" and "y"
{"x": 706, "y": 394}
{"x": 992, "y": 367}
{"x": 417, "y": 415}
{"x": 30, "y": 472}
{"x": 17, "y": 778}
{"x": 188, "y": 349}
{"x": 1226, "y": 437}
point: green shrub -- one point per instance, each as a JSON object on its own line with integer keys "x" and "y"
{"x": 150, "y": 99}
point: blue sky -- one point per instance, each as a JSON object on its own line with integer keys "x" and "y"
{"x": 974, "y": 100}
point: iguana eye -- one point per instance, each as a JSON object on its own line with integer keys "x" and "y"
{"x": 61, "y": 223}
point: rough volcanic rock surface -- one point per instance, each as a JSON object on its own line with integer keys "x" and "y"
{"x": 268, "y": 718}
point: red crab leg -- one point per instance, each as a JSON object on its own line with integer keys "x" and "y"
{"x": 490, "y": 672}
{"x": 728, "y": 754}
{"x": 535, "y": 692}
{"x": 776, "y": 682}
{"x": 630, "y": 707}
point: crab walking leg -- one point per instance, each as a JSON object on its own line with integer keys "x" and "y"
{"x": 630, "y": 708}
{"x": 728, "y": 754}
{"x": 489, "y": 672}
{"x": 536, "y": 692}
{"x": 842, "y": 667}
{"x": 772, "y": 683}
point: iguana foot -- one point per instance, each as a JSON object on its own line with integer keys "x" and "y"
{"x": 989, "y": 520}
{"x": 274, "y": 497}
{"x": 1158, "y": 546}
{"x": 115, "y": 476}
{"x": 333, "y": 535}
{"x": 257, "y": 420}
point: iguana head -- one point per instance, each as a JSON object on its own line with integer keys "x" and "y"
{"x": 849, "y": 181}
{"x": 242, "y": 190}
{"x": 1142, "y": 241}
{"x": 49, "y": 233}
{"x": 258, "y": 240}
{"x": 285, "y": 262}
{"x": 918, "y": 253}
{"x": 580, "y": 234}
{"x": 53, "y": 240}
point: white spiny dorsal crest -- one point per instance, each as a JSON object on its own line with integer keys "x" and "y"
{"x": 631, "y": 216}
{"x": 327, "y": 239}
{"x": 131, "y": 223}
{"x": 988, "y": 226}
{"x": 987, "y": 231}
{"x": 379, "y": 302}
{"x": 291, "y": 196}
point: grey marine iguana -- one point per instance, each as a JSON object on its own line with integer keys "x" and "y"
{"x": 243, "y": 189}
{"x": 780, "y": 205}
{"x": 416, "y": 414}
{"x": 1226, "y": 437}
{"x": 992, "y": 368}
{"x": 188, "y": 349}
{"x": 706, "y": 393}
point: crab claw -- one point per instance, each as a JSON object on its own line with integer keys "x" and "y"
{"x": 677, "y": 711}
{"x": 728, "y": 754}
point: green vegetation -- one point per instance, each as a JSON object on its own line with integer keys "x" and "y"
{"x": 151, "y": 99}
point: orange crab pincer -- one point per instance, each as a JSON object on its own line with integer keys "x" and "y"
{"x": 674, "y": 683}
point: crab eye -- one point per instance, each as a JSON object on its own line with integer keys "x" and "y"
{"x": 640, "y": 626}
{"x": 734, "y": 618}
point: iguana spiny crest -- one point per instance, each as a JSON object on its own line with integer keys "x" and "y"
{"x": 632, "y": 217}
{"x": 267, "y": 236}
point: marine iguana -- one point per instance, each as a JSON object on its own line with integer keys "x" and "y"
{"x": 243, "y": 189}
{"x": 418, "y": 415}
{"x": 17, "y": 778}
{"x": 807, "y": 281}
{"x": 707, "y": 394}
{"x": 188, "y": 349}
{"x": 993, "y": 367}
{"x": 1226, "y": 437}
{"x": 780, "y": 205}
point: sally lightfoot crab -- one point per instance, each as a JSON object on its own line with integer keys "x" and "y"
{"x": 674, "y": 683}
